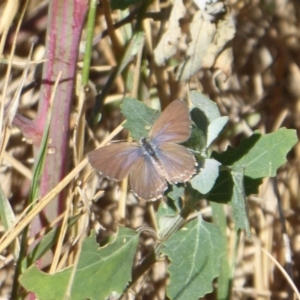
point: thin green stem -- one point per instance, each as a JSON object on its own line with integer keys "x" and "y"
{"x": 89, "y": 42}
{"x": 174, "y": 225}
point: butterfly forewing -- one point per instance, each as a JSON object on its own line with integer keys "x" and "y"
{"x": 116, "y": 160}
{"x": 146, "y": 180}
{"x": 173, "y": 125}
{"x": 177, "y": 162}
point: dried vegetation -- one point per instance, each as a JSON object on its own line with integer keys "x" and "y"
{"x": 262, "y": 92}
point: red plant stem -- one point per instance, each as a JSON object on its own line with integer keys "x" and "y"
{"x": 65, "y": 23}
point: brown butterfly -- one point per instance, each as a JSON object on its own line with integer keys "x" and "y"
{"x": 156, "y": 159}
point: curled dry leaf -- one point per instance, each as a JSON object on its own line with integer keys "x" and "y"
{"x": 202, "y": 3}
{"x": 167, "y": 46}
{"x": 202, "y": 34}
{"x": 224, "y": 61}
{"x": 210, "y": 42}
{"x": 219, "y": 54}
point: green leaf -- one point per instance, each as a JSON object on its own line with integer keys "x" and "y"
{"x": 202, "y": 123}
{"x": 106, "y": 270}
{"x": 172, "y": 207}
{"x": 206, "y": 178}
{"x": 7, "y": 215}
{"x": 238, "y": 202}
{"x": 197, "y": 141}
{"x": 139, "y": 117}
{"x": 174, "y": 197}
{"x": 195, "y": 253}
{"x": 46, "y": 243}
{"x": 39, "y": 165}
{"x": 207, "y": 106}
{"x": 132, "y": 48}
{"x": 223, "y": 188}
{"x": 224, "y": 281}
{"x": 41, "y": 248}
{"x": 99, "y": 271}
{"x": 257, "y": 157}
{"x": 260, "y": 156}
{"x": 207, "y": 118}
{"x": 214, "y": 129}
{"x": 122, "y": 4}
{"x": 43, "y": 284}
{"x": 176, "y": 192}
{"x": 8, "y": 219}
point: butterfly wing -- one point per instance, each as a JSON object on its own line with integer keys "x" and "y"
{"x": 146, "y": 179}
{"x": 116, "y": 160}
{"x": 173, "y": 125}
{"x": 177, "y": 162}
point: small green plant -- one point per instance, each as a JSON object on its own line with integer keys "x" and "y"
{"x": 194, "y": 247}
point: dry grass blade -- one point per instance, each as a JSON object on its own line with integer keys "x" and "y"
{"x": 17, "y": 165}
{"x": 11, "y": 109}
{"x": 290, "y": 281}
{"x": 10, "y": 58}
{"x": 254, "y": 77}
{"x": 14, "y": 232}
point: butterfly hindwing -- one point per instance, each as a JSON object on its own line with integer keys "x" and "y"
{"x": 177, "y": 162}
{"x": 146, "y": 180}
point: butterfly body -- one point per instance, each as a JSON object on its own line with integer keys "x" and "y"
{"x": 154, "y": 161}
{"x": 148, "y": 147}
